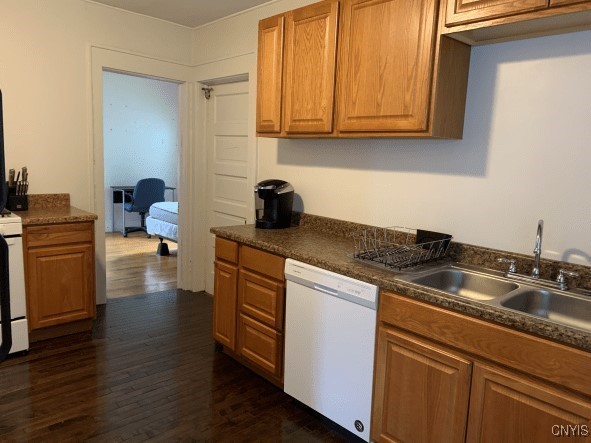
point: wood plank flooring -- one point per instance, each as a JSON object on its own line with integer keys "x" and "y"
{"x": 148, "y": 371}
{"x": 134, "y": 268}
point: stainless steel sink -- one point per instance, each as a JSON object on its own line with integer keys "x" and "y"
{"x": 557, "y": 307}
{"x": 493, "y": 289}
{"x": 466, "y": 284}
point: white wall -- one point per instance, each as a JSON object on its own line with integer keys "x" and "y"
{"x": 140, "y": 136}
{"x": 45, "y": 80}
{"x": 238, "y": 33}
{"x": 525, "y": 154}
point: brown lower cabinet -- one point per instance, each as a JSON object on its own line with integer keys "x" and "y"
{"x": 507, "y": 407}
{"x": 442, "y": 376}
{"x": 421, "y": 391}
{"x": 60, "y": 278}
{"x": 224, "y": 304}
{"x": 248, "y": 314}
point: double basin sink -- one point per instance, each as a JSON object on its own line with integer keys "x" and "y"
{"x": 559, "y": 307}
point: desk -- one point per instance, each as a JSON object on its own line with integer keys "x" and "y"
{"x": 122, "y": 194}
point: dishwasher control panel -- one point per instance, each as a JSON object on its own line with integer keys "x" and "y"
{"x": 332, "y": 283}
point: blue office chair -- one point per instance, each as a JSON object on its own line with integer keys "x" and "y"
{"x": 146, "y": 192}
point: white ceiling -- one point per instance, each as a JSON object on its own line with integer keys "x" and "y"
{"x": 185, "y": 12}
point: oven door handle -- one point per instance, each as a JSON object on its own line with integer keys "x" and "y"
{"x": 5, "y": 300}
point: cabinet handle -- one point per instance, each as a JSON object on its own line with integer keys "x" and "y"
{"x": 561, "y": 279}
{"x": 325, "y": 290}
{"x": 511, "y": 262}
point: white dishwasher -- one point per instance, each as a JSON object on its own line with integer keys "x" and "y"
{"x": 330, "y": 325}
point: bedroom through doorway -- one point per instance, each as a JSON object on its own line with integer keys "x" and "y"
{"x": 141, "y": 156}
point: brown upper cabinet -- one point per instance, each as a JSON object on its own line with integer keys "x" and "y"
{"x": 386, "y": 64}
{"x": 469, "y": 11}
{"x": 391, "y": 75}
{"x": 567, "y": 2}
{"x": 489, "y": 21}
{"x": 270, "y": 74}
{"x": 310, "y": 57}
{"x": 296, "y": 75}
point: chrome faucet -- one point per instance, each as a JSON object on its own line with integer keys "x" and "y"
{"x": 559, "y": 283}
{"x": 535, "y": 273}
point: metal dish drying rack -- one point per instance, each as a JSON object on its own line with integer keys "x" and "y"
{"x": 398, "y": 247}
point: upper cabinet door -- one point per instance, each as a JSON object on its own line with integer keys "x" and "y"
{"x": 270, "y": 74}
{"x": 310, "y": 57}
{"x": 469, "y": 11}
{"x": 566, "y": 2}
{"x": 386, "y": 57}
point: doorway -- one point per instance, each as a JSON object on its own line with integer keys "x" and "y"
{"x": 188, "y": 274}
{"x": 192, "y": 262}
{"x": 141, "y": 140}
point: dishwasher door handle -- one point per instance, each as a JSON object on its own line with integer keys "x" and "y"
{"x": 326, "y": 290}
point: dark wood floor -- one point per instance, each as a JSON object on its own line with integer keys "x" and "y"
{"x": 149, "y": 371}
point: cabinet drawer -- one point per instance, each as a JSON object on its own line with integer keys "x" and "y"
{"x": 49, "y": 235}
{"x": 262, "y": 262}
{"x": 260, "y": 345}
{"x": 261, "y": 298}
{"x": 226, "y": 250}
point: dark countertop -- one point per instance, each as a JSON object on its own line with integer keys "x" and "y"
{"x": 334, "y": 253}
{"x": 60, "y": 214}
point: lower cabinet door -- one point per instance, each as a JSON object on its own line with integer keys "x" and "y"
{"x": 225, "y": 286}
{"x": 260, "y": 345}
{"x": 509, "y": 408}
{"x": 60, "y": 285}
{"x": 421, "y": 392}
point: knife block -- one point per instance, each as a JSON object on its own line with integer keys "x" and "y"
{"x": 16, "y": 202}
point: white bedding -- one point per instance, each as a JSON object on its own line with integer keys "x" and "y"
{"x": 163, "y": 220}
{"x": 166, "y": 211}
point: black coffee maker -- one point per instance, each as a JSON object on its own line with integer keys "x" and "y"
{"x": 273, "y": 200}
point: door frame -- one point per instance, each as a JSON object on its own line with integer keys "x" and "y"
{"x": 192, "y": 192}
{"x": 103, "y": 58}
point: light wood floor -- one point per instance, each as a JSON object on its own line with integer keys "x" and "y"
{"x": 134, "y": 268}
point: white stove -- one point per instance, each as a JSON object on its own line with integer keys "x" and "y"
{"x": 11, "y": 228}
{"x": 11, "y": 224}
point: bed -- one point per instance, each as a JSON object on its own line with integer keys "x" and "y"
{"x": 163, "y": 222}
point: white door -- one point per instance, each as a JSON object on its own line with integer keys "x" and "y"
{"x": 229, "y": 187}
